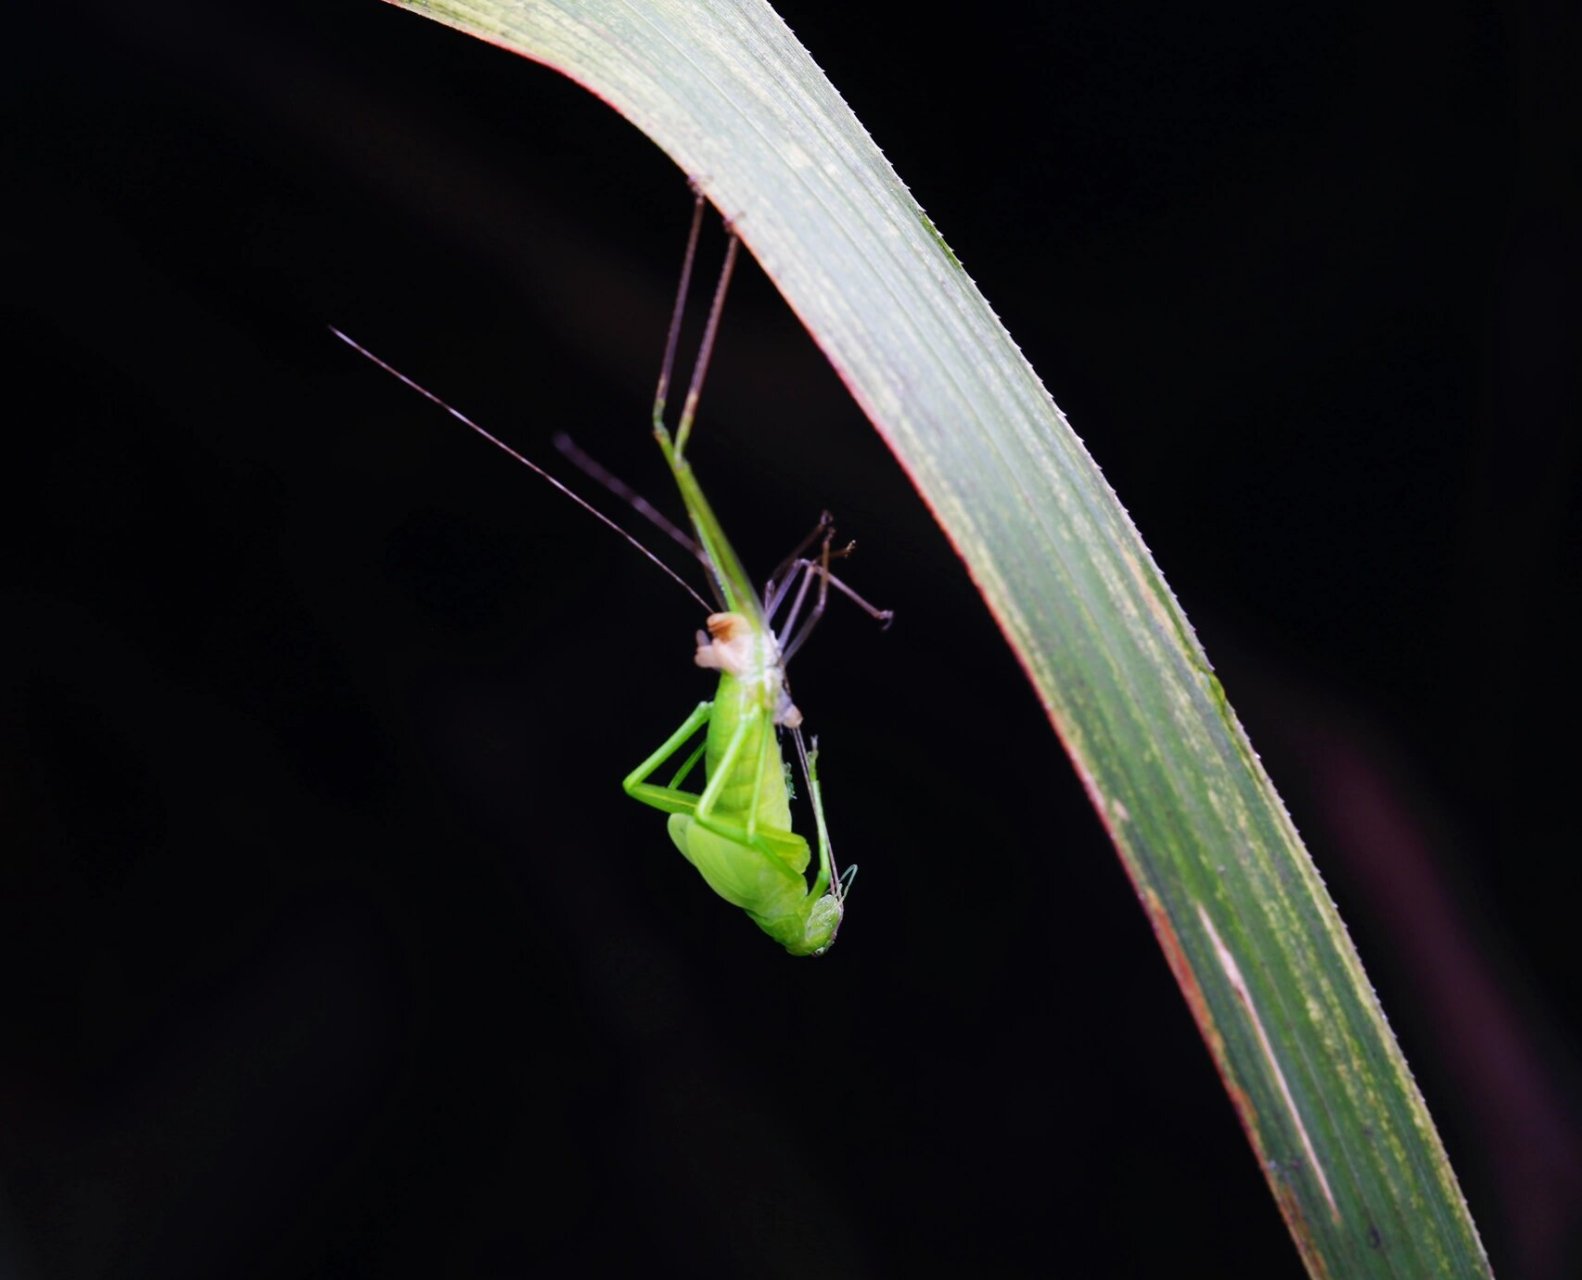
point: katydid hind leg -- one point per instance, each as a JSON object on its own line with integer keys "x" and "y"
{"x": 711, "y": 328}
{"x": 678, "y": 309}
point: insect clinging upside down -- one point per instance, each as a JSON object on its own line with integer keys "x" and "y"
{"x": 737, "y": 830}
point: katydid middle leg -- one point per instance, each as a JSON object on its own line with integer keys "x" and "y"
{"x": 783, "y": 845}
{"x": 669, "y": 799}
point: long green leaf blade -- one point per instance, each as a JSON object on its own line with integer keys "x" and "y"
{"x": 1337, "y": 1123}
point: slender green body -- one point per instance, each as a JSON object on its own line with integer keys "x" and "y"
{"x": 737, "y": 830}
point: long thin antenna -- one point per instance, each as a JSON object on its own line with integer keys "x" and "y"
{"x": 526, "y": 462}
{"x": 597, "y": 471}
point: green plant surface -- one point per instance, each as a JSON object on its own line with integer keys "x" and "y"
{"x": 1337, "y": 1123}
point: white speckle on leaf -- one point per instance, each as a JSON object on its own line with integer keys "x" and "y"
{"x": 1238, "y": 984}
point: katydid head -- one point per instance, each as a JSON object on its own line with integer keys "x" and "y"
{"x": 729, "y": 645}
{"x": 733, "y": 645}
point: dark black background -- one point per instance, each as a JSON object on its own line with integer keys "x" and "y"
{"x": 330, "y": 946}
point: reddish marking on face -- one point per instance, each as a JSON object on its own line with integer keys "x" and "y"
{"x": 726, "y": 627}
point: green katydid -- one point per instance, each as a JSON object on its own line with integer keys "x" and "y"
{"x": 737, "y": 830}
